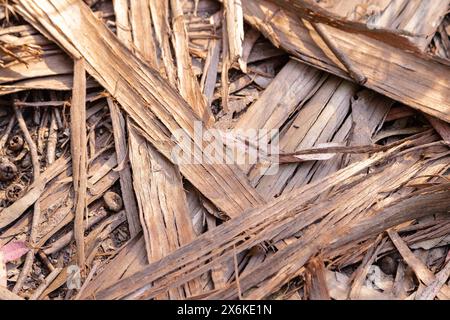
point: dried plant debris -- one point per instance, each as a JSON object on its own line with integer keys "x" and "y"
{"x": 254, "y": 149}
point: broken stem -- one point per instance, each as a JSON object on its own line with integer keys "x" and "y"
{"x": 354, "y": 73}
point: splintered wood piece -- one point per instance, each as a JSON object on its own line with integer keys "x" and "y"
{"x": 209, "y": 76}
{"x": 235, "y": 31}
{"x": 28, "y": 264}
{"x": 402, "y": 23}
{"x": 441, "y": 127}
{"x": 420, "y": 18}
{"x": 160, "y": 112}
{"x": 142, "y": 30}
{"x": 321, "y": 119}
{"x": 164, "y": 214}
{"x": 78, "y": 144}
{"x": 160, "y": 17}
{"x": 225, "y": 92}
{"x": 130, "y": 259}
{"x": 48, "y": 65}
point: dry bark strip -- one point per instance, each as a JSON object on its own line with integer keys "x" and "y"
{"x": 78, "y": 145}
{"x": 387, "y": 68}
{"x": 28, "y": 264}
{"x": 142, "y": 30}
{"x": 352, "y": 196}
{"x": 383, "y": 28}
{"x": 123, "y": 21}
{"x": 163, "y": 209}
{"x": 282, "y": 266}
{"x": 166, "y": 221}
{"x": 155, "y": 106}
{"x": 188, "y": 85}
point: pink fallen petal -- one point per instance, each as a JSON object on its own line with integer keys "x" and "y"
{"x": 13, "y": 250}
{"x": 3, "y": 274}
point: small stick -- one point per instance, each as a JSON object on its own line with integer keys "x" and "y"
{"x": 354, "y": 73}
{"x": 44, "y": 259}
{"x": 37, "y": 211}
{"x": 44, "y": 285}
{"x": 52, "y": 139}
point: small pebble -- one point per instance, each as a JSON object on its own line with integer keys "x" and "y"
{"x": 113, "y": 201}
{"x": 388, "y": 265}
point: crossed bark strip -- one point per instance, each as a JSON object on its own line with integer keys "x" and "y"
{"x": 156, "y": 107}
